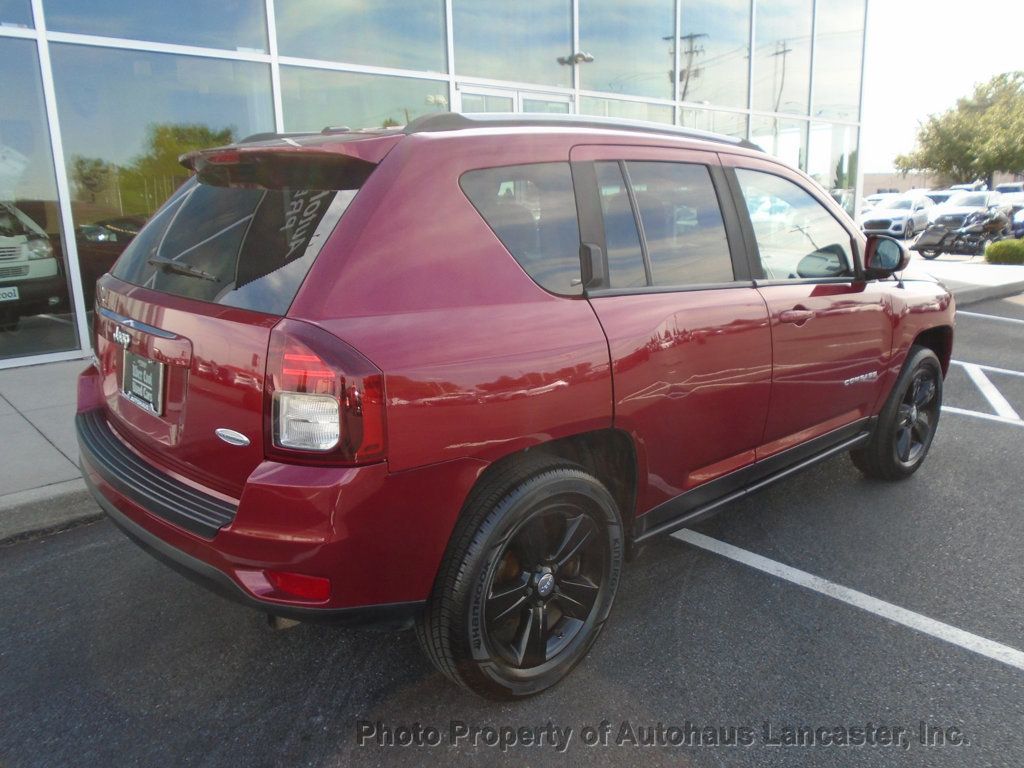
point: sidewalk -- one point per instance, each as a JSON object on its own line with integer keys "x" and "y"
{"x": 40, "y": 487}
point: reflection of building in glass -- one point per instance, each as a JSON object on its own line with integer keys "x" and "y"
{"x": 90, "y": 133}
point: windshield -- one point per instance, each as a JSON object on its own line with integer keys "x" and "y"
{"x": 11, "y": 224}
{"x": 939, "y": 197}
{"x": 968, "y": 200}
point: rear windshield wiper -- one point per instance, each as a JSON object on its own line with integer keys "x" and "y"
{"x": 181, "y": 268}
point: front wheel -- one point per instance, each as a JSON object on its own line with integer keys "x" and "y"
{"x": 906, "y": 426}
{"x": 931, "y": 254}
{"x": 527, "y": 583}
{"x": 908, "y": 233}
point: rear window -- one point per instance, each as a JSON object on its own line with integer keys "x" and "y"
{"x": 246, "y": 248}
{"x": 532, "y": 210}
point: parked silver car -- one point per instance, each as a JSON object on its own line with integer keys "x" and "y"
{"x": 902, "y": 216}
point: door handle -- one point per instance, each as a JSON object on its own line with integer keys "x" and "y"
{"x": 797, "y": 315}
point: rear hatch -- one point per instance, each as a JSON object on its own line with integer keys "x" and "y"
{"x": 184, "y": 321}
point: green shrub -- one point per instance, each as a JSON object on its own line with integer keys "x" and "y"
{"x": 1005, "y": 252}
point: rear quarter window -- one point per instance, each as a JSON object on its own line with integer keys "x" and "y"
{"x": 532, "y": 210}
{"x": 246, "y": 248}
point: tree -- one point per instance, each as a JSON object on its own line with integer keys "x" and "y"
{"x": 91, "y": 174}
{"x": 978, "y": 138}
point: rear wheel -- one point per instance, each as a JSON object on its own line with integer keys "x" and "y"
{"x": 930, "y": 254}
{"x": 907, "y": 423}
{"x": 527, "y": 583}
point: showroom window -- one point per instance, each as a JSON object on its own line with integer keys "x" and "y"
{"x": 838, "y": 53}
{"x": 729, "y": 123}
{"x": 521, "y": 42}
{"x": 15, "y": 13}
{"x": 832, "y": 161}
{"x": 786, "y": 139}
{"x": 126, "y": 117}
{"x": 782, "y": 56}
{"x": 316, "y": 98}
{"x": 714, "y": 52}
{"x": 632, "y": 46}
{"x": 238, "y": 25}
{"x": 407, "y": 34}
{"x": 628, "y": 110}
{"x": 34, "y": 296}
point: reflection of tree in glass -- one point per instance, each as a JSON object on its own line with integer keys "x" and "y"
{"x": 91, "y": 174}
{"x": 152, "y": 177}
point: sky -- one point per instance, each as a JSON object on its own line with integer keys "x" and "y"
{"x": 922, "y": 55}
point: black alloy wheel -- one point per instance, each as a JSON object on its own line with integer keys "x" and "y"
{"x": 916, "y": 417}
{"x": 528, "y": 579}
{"x": 546, "y": 585}
{"x": 907, "y": 423}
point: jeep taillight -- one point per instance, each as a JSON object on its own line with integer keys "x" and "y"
{"x": 324, "y": 401}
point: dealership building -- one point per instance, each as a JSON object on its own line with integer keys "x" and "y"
{"x": 101, "y": 96}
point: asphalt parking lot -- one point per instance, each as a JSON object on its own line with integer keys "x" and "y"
{"x": 109, "y": 658}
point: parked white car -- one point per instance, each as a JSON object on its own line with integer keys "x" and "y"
{"x": 901, "y": 216}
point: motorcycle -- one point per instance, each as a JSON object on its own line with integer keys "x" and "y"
{"x": 969, "y": 239}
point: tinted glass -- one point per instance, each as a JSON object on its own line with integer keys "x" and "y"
{"x": 622, "y": 241}
{"x": 513, "y": 41}
{"x": 728, "y": 123}
{"x": 782, "y": 56}
{"x": 629, "y": 110}
{"x": 315, "y": 98}
{"x": 832, "y": 161}
{"x": 797, "y": 237}
{"x": 838, "y": 56}
{"x": 532, "y": 210}
{"x": 34, "y": 293}
{"x": 631, "y": 44}
{"x": 232, "y": 24}
{"x": 399, "y": 33}
{"x": 786, "y": 139}
{"x": 126, "y": 117}
{"x": 682, "y": 223}
{"x": 15, "y": 13}
{"x": 714, "y": 60}
{"x": 244, "y": 248}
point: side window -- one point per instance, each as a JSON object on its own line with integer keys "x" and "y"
{"x": 682, "y": 223}
{"x": 622, "y": 241}
{"x": 532, "y": 210}
{"x": 797, "y": 237}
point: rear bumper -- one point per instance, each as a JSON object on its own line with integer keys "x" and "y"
{"x": 379, "y": 537}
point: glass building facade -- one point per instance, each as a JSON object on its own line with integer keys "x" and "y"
{"x": 102, "y": 97}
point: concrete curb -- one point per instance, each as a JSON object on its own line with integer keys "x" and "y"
{"x": 34, "y": 513}
{"x": 979, "y": 293}
{"x": 42, "y": 511}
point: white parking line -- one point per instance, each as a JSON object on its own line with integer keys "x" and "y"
{"x": 917, "y": 621}
{"x": 995, "y": 398}
{"x": 989, "y": 368}
{"x": 990, "y": 317}
{"x": 980, "y": 415}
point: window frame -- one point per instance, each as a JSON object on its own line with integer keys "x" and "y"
{"x": 583, "y": 159}
{"x": 733, "y": 163}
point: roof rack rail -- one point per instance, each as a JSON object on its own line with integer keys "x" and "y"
{"x": 456, "y": 121}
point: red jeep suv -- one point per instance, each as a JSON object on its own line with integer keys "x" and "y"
{"x": 451, "y": 375}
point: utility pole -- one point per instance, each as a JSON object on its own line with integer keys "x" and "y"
{"x": 783, "y": 50}
{"x": 692, "y": 51}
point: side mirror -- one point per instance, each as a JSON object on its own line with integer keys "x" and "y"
{"x": 884, "y": 256}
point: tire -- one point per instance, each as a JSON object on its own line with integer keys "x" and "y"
{"x": 930, "y": 254}
{"x": 539, "y": 544}
{"x": 906, "y": 426}
{"x": 908, "y": 233}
